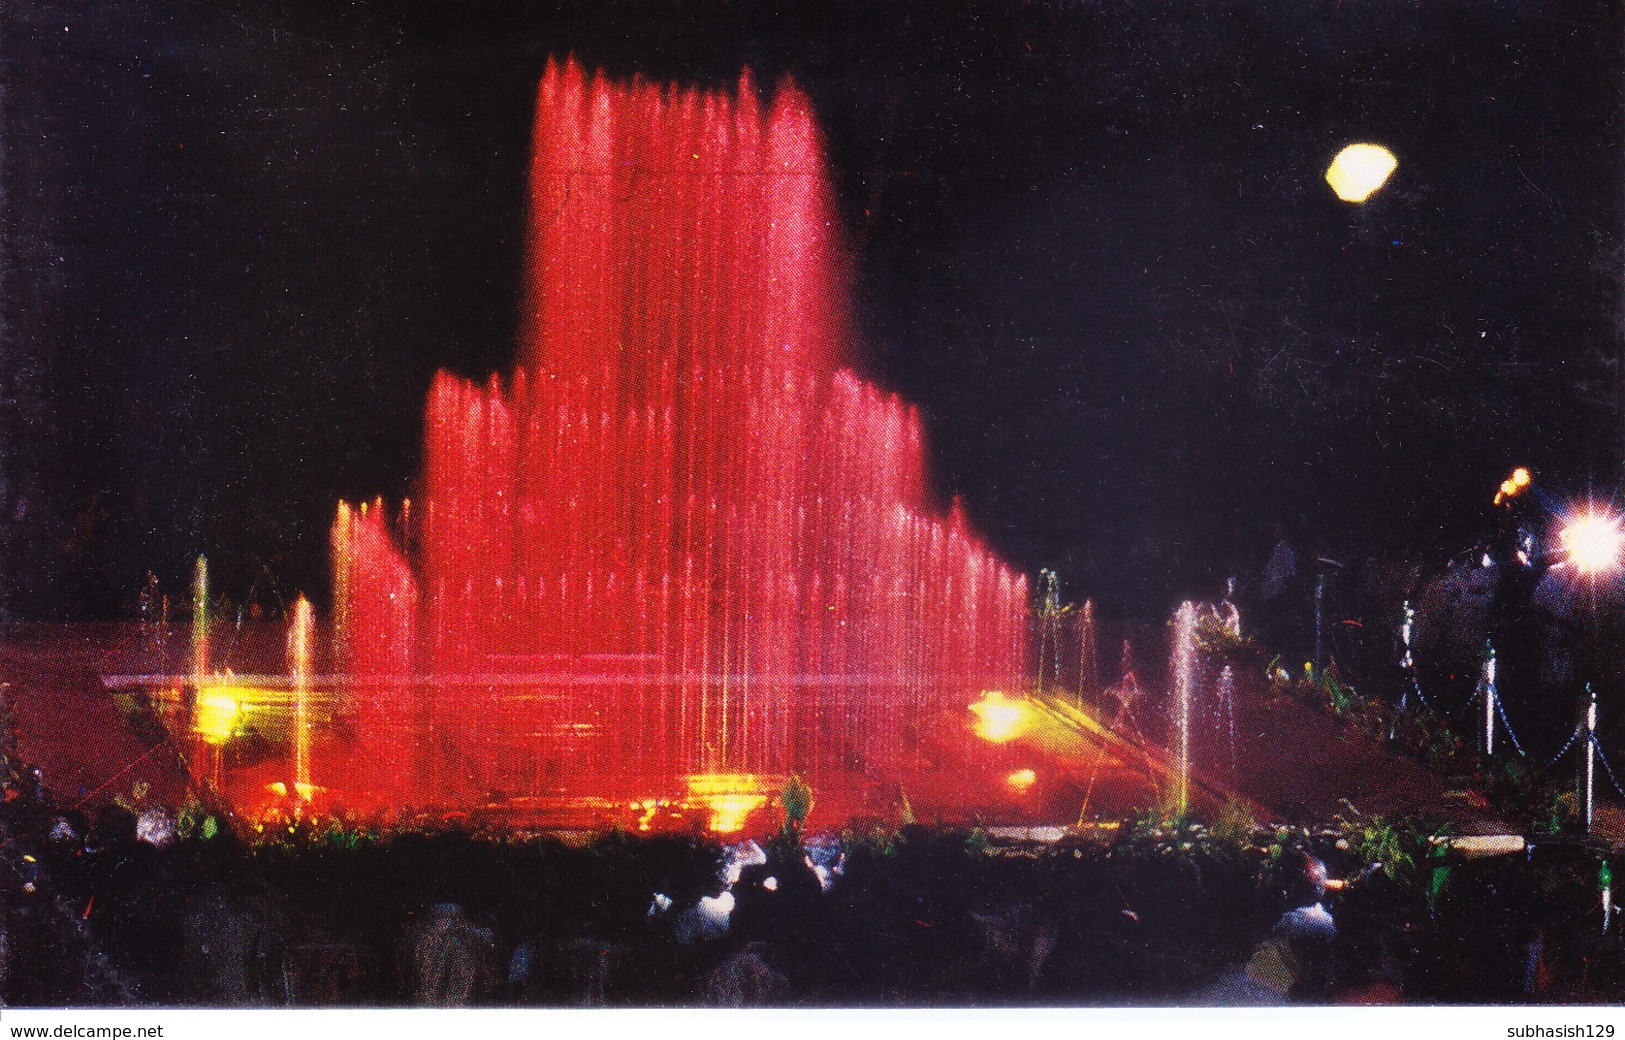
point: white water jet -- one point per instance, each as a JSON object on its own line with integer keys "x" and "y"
{"x": 1184, "y": 665}
{"x": 1227, "y": 707}
{"x": 1088, "y": 653}
{"x": 1486, "y": 688}
{"x": 200, "y": 622}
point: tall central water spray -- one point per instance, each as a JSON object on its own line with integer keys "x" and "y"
{"x": 679, "y": 539}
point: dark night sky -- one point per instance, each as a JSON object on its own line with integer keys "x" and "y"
{"x": 1090, "y": 240}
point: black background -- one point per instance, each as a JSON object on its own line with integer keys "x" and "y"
{"x": 1090, "y": 239}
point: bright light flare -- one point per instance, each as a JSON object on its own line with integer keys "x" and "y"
{"x": 999, "y": 719}
{"x": 1594, "y": 542}
{"x": 1359, "y": 170}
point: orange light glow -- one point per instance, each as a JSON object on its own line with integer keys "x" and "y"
{"x": 648, "y": 807}
{"x": 1514, "y": 485}
{"x": 729, "y": 811}
{"x": 1021, "y": 780}
{"x": 999, "y": 719}
{"x": 730, "y": 798}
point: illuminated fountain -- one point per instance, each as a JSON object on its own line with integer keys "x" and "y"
{"x": 200, "y": 623}
{"x": 299, "y": 647}
{"x": 1224, "y": 710}
{"x": 1088, "y": 653}
{"x": 679, "y": 547}
{"x": 1184, "y": 669}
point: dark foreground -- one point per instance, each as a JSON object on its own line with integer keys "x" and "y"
{"x": 1153, "y": 913}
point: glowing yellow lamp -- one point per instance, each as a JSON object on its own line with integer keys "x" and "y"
{"x": 217, "y": 712}
{"x": 729, "y": 797}
{"x": 1359, "y": 170}
{"x": 1520, "y": 477}
{"x": 730, "y": 811}
{"x": 999, "y": 719}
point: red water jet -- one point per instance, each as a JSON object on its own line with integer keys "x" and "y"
{"x": 679, "y": 539}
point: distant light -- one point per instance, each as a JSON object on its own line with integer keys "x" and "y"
{"x": 1593, "y": 541}
{"x": 1520, "y": 477}
{"x": 1359, "y": 170}
{"x": 1021, "y": 780}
